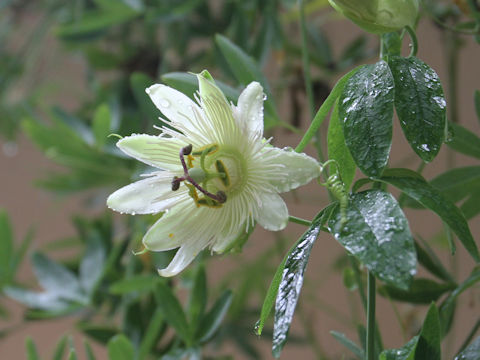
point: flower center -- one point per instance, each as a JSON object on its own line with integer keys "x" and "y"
{"x": 210, "y": 173}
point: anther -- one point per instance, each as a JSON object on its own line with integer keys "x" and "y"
{"x": 187, "y": 149}
{"x": 175, "y": 183}
{"x": 221, "y": 197}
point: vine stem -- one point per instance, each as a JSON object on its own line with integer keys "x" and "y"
{"x": 324, "y": 110}
{"x": 371, "y": 293}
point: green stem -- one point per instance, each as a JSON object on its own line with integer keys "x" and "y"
{"x": 371, "y": 317}
{"x": 414, "y": 44}
{"x": 307, "y": 77}
{"x": 324, "y": 110}
{"x": 300, "y": 221}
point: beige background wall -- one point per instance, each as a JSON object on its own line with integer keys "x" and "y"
{"x": 50, "y": 216}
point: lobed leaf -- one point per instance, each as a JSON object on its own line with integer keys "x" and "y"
{"x": 415, "y": 186}
{"x": 365, "y": 112}
{"x": 420, "y": 105}
{"x": 377, "y": 233}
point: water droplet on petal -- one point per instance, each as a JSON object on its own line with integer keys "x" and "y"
{"x": 164, "y": 103}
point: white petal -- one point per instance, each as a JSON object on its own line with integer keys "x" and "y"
{"x": 288, "y": 169}
{"x": 147, "y": 196}
{"x": 183, "y": 224}
{"x": 160, "y": 152}
{"x": 176, "y": 106}
{"x": 183, "y": 258}
{"x": 250, "y": 110}
{"x": 273, "y": 212}
{"x": 222, "y": 243}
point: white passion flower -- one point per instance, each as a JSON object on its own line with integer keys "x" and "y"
{"x": 218, "y": 175}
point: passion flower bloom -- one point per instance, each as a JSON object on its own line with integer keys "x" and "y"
{"x": 218, "y": 175}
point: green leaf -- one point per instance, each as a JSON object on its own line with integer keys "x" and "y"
{"x": 421, "y": 291}
{"x": 72, "y": 355}
{"x": 60, "y": 348}
{"x": 415, "y": 186}
{"x": 271, "y": 296}
{"x": 99, "y": 333}
{"x": 93, "y": 22}
{"x": 198, "y": 297}
{"x": 120, "y": 348}
{"x": 365, "y": 112}
{"x": 427, "y": 258}
{"x": 140, "y": 283}
{"x": 152, "y": 333}
{"x": 101, "y": 124}
{"x": 246, "y": 70}
{"x": 420, "y": 105}
{"x": 377, "y": 233}
{"x": 188, "y": 84}
{"x": 212, "y": 320}
{"x": 55, "y": 278}
{"x": 32, "y": 353}
{"x": 349, "y": 344}
{"x": 464, "y": 141}
{"x": 6, "y": 248}
{"x": 337, "y": 149}
{"x": 88, "y": 350}
{"x": 291, "y": 282}
{"x": 448, "y": 305}
{"x": 471, "y": 206}
{"x": 138, "y": 83}
{"x": 406, "y": 352}
{"x": 92, "y": 264}
{"x": 428, "y": 345}
{"x": 456, "y": 184}
{"x": 392, "y": 44}
{"x": 172, "y": 311}
{"x": 472, "y": 352}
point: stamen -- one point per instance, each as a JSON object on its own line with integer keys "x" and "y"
{"x": 220, "y": 197}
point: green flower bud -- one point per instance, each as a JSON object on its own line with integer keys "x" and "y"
{"x": 379, "y": 16}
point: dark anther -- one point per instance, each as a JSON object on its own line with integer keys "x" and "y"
{"x": 175, "y": 183}
{"x": 221, "y": 197}
{"x": 187, "y": 149}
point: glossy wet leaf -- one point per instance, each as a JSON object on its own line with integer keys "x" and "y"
{"x": 338, "y": 150}
{"x": 365, "y": 112}
{"x": 349, "y": 344}
{"x": 270, "y": 298}
{"x": 291, "y": 281}
{"x": 378, "y": 235}
{"x": 120, "y": 348}
{"x": 415, "y": 186}
{"x": 464, "y": 141}
{"x": 406, "y": 352}
{"x": 472, "y": 352}
{"x": 421, "y": 291}
{"x": 420, "y": 105}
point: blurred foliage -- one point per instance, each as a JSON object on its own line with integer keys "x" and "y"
{"x": 118, "y": 48}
